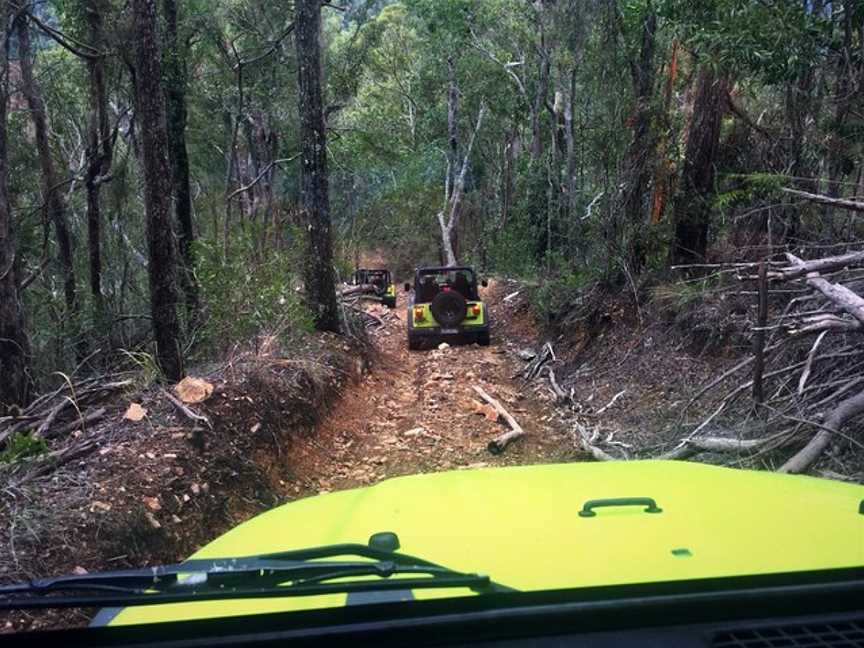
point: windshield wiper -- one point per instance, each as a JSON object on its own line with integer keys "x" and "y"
{"x": 306, "y": 572}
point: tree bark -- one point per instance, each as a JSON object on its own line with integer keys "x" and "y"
{"x": 541, "y": 94}
{"x": 54, "y": 201}
{"x": 157, "y": 190}
{"x": 314, "y": 196}
{"x": 14, "y": 345}
{"x": 448, "y": 217}
{"x": 175, "y": 103}
{"x": 640, "y": 153}
{"x": 693, "y": 201}
{"x": 100, "y": 146}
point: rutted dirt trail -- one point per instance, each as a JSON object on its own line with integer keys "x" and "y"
{"x": 413, "y": 412}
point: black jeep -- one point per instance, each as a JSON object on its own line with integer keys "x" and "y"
{"x": 381, "y": 280}
{"x": 446, "y": 305}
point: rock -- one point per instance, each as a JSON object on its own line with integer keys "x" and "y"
{"x": 526, "y": 354}
{"x": 443, "y": 346}
{"x": 135, "y": 412}
{"x": 415, "y": 432}
{"x": 152, "y": 503}
{"x": 193, "y": 390}
{"x": 152, "y": 520}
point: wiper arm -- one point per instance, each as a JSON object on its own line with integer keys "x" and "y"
{"x": 284, "y": 574}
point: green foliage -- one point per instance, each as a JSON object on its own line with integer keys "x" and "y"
{"x": 251, "y": 292}
{"x": 557, "y": 294}
{"x": 680, "y": 295}
{"x": 23, "y": 445}
{"x": 774, "y": 40}
{"x": 148, "y": 371}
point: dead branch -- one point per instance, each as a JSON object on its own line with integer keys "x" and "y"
{"x": 826, "y": 264}
{"x": 611, "y": 402}
{"x": 851, "y": 205}
{"x": 588, "y": 444}
{"x": 847, "y": 410}
{"x": 499, "y": 444}
{"x": 809, "y": 366}
{"x": 358, "y": 290}
{"x": 188, "y": 412}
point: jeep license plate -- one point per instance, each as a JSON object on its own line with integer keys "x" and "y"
{"x": 449, "y": 331}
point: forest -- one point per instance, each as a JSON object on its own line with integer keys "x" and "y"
{"x": 182, "y": 181}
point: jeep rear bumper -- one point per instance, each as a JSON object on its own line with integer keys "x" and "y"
{"x": 442, "y": 332}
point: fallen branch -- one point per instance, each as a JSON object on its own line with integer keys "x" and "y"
{"x": 802, "y": 382}
{"x": 851, "y": 205}
{"x": 188, "y": 412}
{"x": 499, "y": 444}
{"x": 588, "y": 446}
{"x": 846, "y": 410}
{"x": 611, "y": 402}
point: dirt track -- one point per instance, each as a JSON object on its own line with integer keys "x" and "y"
{"x": 413, "y": 412}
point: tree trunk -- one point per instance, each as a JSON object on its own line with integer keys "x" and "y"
{"x": 638, "y": 165}
{"x": 100, "y": 147}
{"x": 157, "y": 190}
{"x": 53, "y": 197}
{"x": 314, "y": 196}
{"x": 839, "y": 156}
{"x": 175, "y": 104}
{"x": 693, "y": 200}
{"x": 14, "y": 346}
{"x": 541, "y": 94}
{"x": 452, "y": 128}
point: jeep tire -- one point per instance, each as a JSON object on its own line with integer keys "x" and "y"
{"x": 413, "y": 342}
{"x": 483, "y": 338}
{"x": 449, "y": 308}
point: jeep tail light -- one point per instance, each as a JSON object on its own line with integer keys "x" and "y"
{"x": 475, "y": 310}
{"x": 419, "y": 313}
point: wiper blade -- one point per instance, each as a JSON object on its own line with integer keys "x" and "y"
{"x": 284, "y": 574}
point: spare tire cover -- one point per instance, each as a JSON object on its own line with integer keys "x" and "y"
{"x": 449, "y": 308}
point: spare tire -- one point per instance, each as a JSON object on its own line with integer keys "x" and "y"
{"x": 449, "y": 308}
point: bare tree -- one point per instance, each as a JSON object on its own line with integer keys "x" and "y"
{"x": 315, "y": 199}
{"x": 448, "y": 217}
{"x": 14, "y": 349}
{"x": 157, "y": 190}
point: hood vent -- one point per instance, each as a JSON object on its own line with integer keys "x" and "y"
{"x": 840, "y": 634}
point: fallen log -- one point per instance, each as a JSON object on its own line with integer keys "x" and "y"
{"x": 800, "y": 268}
{"x": 359, "y": 289}
{"x": 499, "y": 444}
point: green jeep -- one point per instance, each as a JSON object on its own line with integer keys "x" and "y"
{"x": 381, "y": 279}
{"x": 446, "y": 305}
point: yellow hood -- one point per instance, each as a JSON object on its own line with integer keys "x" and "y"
{"x": 521, "y": 526}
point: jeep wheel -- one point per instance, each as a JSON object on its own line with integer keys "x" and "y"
{"x": 449, "y": 308}
{"x": 413, "y": 342}
{"x": 483, "y": 338}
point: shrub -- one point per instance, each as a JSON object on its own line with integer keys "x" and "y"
{"x": 251, "y": 292}
{"x": 23, "y": 445}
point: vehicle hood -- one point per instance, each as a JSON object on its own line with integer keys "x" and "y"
{"x": 521, "y": 527}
